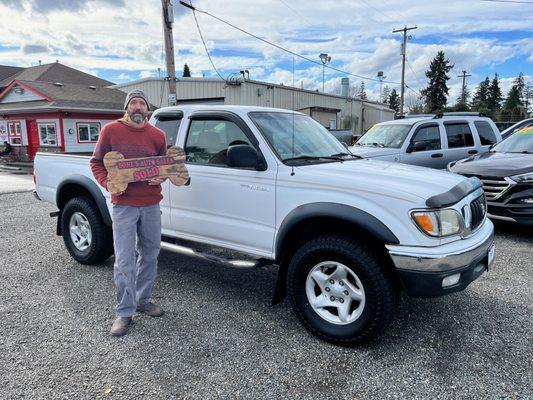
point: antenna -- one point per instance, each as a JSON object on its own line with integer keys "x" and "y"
{"x": 293, "y": 90}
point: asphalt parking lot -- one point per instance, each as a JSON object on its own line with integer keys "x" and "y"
{"x": 220, "y": 338}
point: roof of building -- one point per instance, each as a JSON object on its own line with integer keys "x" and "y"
{"x": 54, "y": 72}
{"x": 217, "y": 80}
{"x": 7, "y": 71}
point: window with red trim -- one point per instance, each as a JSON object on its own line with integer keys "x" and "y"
{"x": 14, "y": 133}
{"x": 48, "y": 134}
{"x": 88, "y": 132}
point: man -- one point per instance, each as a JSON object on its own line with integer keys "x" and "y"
{"x": 7, "y": 149}
{"x": 136, "y": 213}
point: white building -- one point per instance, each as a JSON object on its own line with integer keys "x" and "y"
{"x": 333, "y": 111}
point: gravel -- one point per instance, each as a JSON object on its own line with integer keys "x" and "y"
{"x": 221, "y": 338}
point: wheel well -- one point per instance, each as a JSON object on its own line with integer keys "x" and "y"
{"x": 69, "y": 191}
{"x": 72, "y": 189}
{"x": 310, "y": 228}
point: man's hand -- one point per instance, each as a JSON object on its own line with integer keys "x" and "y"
{"x": 156, "y": 181}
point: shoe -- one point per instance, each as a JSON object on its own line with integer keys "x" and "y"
{"x": 150, "y": 309}
{"x": 121, "y": 326}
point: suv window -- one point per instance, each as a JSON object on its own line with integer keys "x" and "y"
{"x": 459, "y": 135}
{"x": 429, "y": 135}
{"x": 170, "y": 124}
{"x": 486, "y": 134}
{"x": 208, "y": 141}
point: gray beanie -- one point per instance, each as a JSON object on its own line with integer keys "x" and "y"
{"x": 136, "y": 93}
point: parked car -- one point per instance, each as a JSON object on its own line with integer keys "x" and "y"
{"x": 507, "y": 175}
{"x": 429, "y": 141}
{"x": 347, "y": 233}
{"x": 525, "y": 123}
{"x": 345, "y": 136}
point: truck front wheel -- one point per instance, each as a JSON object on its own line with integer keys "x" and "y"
{"x": 339, "y": 290}
{"x": 87, "y": 238}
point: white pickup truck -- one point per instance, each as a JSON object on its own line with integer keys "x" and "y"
{"x": 275, "y": 186}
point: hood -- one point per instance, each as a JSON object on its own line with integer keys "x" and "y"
{"x": 382, "y": 178}
{"x": 495, "y": 164}
{"x": 372, "y": 151}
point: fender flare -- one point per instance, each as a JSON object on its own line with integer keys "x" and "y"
{"x": 92, "y": 188}
{"x": 334, "y": 210}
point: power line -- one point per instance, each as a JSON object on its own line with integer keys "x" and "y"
{"x": 411, "y": 68}
{"x": 295, "y": 11}
{"x": 280, "y": 47}
{"x": 203, "y": 41}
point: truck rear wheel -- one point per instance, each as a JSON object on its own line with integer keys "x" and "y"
{"x": 87, "y": 238}
{"x": 339, "y": 290}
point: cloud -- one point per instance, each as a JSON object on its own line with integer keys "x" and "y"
{"x": 146, "y": 74}
{"x": 34, "y": 48}
{"x": 47, "y": 6}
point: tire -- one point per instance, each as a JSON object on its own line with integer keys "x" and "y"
{"x": 368, "y": 305}
{"x": 83, "y": 216}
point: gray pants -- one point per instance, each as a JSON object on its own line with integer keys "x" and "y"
{"x": 137, "y": 240}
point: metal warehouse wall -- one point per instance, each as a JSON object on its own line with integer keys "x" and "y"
{"x": 358, "y": 114}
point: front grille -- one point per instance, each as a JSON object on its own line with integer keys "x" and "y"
{"x": 478, "y": 209}
{"x": 494, "y": 187}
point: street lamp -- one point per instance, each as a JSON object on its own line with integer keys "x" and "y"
{"x": 325, "y": 58}
{"x": 380, "y": 77}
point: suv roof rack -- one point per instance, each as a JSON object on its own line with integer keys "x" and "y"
{"x": 460, "y": 114}
{"x": 416, "y": 116}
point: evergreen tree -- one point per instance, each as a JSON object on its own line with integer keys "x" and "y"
{"x": 494, "y": 97}
{"x": 462, "y": 99}
{"x": 385, "y": 95}
{"x": 437, "y": 90}
{"x": 186, "y": 71}
{"x": 394, "y": 101}
{"x": 479, "y": 101}
{"x": 514, "y": 97}
{"x": 362, "y": 91}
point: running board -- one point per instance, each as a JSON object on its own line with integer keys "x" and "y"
{"x": 244, "y": 264}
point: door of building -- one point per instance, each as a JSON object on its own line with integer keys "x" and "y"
{"x": 33, "y": 138}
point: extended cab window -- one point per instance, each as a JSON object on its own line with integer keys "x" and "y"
{"x": 459, "y": 135}
{"x": 427, "y": 138}
{"x": 208, "y": 141}
{"x": 170, "y": 124}
{"x": 486, "y": 134}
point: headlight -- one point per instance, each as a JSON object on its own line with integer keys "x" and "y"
{"x": 450, "y": 166}
{"x": 438, "y": 223}
{"x": 523, "y": 178}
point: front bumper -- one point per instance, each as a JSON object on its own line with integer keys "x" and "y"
{"x": 422, "y": 269}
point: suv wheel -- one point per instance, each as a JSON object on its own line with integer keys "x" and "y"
{"x": 340, "y": 291}
{"x": 87, "y": 238}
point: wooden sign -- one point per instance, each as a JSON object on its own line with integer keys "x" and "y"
{"x": 121, "y": 171}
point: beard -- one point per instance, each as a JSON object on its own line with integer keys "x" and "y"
{"x": 137, "y": 116}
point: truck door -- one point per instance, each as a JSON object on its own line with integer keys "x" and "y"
{"x": 424, "y": 148}
{"x": 169, "y": 122}
{"x": 460, "y": 141}
{"x": 225, "y": 206}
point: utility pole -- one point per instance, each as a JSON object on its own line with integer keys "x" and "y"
{"x": 463, "y": 92}
{"x": 403, "y": 52}
{"x": 168, "y": 20}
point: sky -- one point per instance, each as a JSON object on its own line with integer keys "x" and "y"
{"x": 122, "y": 40}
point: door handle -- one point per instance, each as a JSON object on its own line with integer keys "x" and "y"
{"x": 437, "y": 155}
{"x": 472, "y": 151}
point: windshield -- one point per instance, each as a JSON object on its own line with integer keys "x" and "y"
{"x": 520, "y": 142}
{"x": 311, "y": 140}
{"x": 385, "y": 136}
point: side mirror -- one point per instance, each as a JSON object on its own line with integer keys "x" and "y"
{"x": 417, "y": 146}
{"x": 243, "y": 156}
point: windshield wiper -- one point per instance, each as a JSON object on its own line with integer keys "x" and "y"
{"x": 346, "y": 154}
{"x": 314, "y": 158}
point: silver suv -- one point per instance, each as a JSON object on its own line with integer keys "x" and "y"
{"x": 429, "y": 140}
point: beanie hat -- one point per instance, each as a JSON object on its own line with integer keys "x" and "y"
{"x": 136, "y": 93}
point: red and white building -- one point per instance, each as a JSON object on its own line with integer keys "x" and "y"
{"x": 54, "y": 108}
